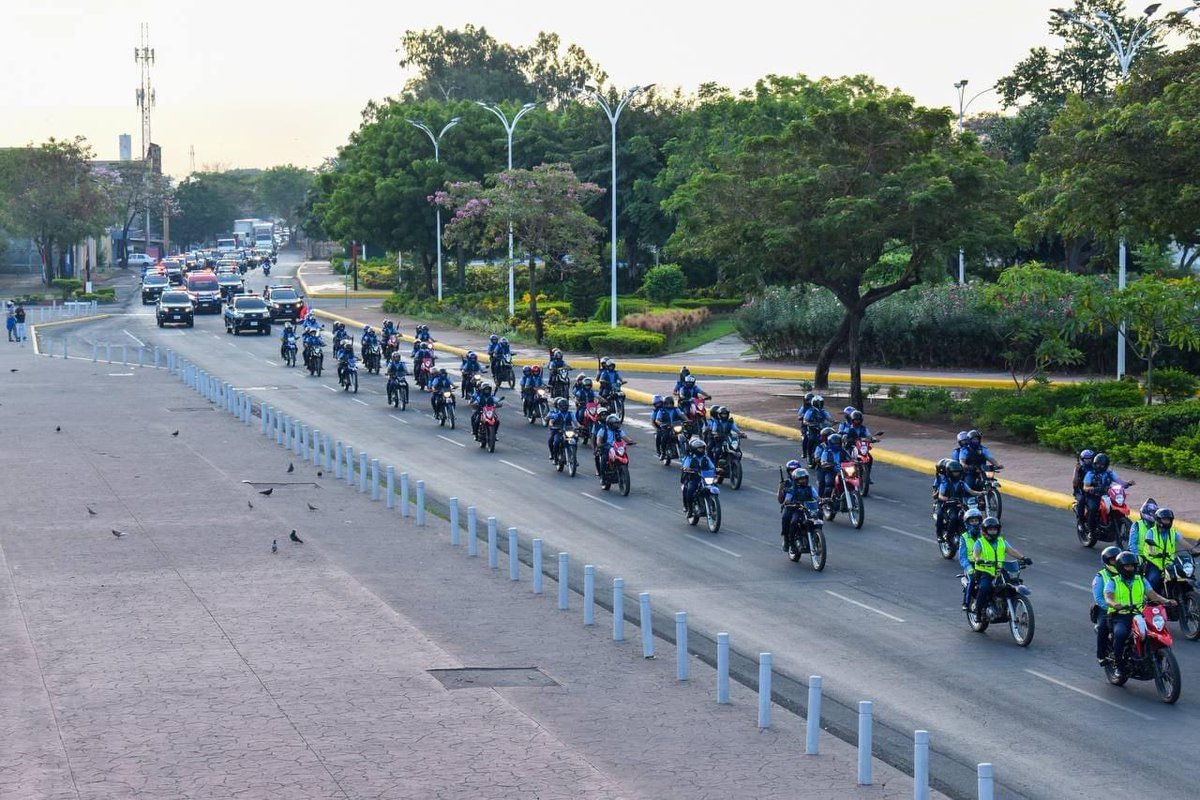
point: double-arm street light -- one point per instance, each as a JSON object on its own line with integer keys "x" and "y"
{"x": 961, "y": 86}
{"x": 1124, "y": 48}
{"x": 509, "y": 127}
{"x": 613, "y": 115}
{"x": 437, "y": 152}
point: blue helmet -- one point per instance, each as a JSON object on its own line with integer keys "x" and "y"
{"x": 658, "y": 401}
{"x": 791, "y": 465}
{"x": 526, "y": 371}
{"x": 963, "y": 438}
{"x": 493, "y": 338}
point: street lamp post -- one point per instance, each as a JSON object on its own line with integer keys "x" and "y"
{"x": 437, "y": 151}
{"x": 509, "y": 127}
{"x": 961, "y": 86}
{"x": 613, "y": 116}
{"x": 1124, "y": 49}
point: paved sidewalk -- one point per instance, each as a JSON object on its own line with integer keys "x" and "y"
{"x": 185, "y": 659}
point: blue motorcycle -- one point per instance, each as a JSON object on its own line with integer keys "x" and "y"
{"x": 707, "y": 501}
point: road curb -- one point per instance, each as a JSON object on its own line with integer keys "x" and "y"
{"x": 33, "y": 328}
{"x": 368, "y": 294}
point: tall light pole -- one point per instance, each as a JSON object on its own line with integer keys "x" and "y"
{"x": 1124, "y": 48}
{"x": 437, "y": 153}
{"x": 961, "y": 86}
{"x": 509, "y": 127}
{"x": 613, "y": 116}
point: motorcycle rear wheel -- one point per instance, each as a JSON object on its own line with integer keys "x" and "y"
{"x": 817, "y": 546}
{"x": 978, "y": 622}
{"x": 1021, "y": 625}
{"x": 793, "y": 548}
{"x": 1166, "y": 676}
{"x": 712, "y": 511}
{"x": 1110, "y": 672}
{"x": 1084, "y": 533}
{"x": 1189, "y": 616}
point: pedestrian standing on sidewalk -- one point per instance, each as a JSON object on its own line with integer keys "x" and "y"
{"x": 19, "y": 314}
{"x": 10, "y": 321}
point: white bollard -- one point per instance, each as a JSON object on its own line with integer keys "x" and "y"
{"x": 493, "y": 557}
{"x": 472, "y": 532}
{"x": 537, "y": 566}
{"x": 316, "y": 450}
{"x": 812, "y": 723}
{"x": 986, "y": 789}
{"x": 375, "y": 479}
{"x": 681, "y": 659}
{"x": 349, "y": 465}
{"x": 764, "y": 690}
{"x": 420, "y": 503}
{"x": 564, "y": 575}
{"x": 647, "y": 625}
{"x": 865, "y": 713}
{"x": 404, "y": 494}
{"x": 362, "y": 472}
{"x": 723, "y": 668}
{"x": 618, "y": 603}
{"x": 337, "y": 461}
{"x": 391, "y": 485}
{"x": 454, "y": 535}
{"x": 514, "y": 564}
{"x": 921, "y": 765}
{"x": 589, "y": 595}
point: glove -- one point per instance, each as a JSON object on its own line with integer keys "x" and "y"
{"x": 1027, "y": 562}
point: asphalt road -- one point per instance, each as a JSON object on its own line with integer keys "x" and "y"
{"x": 882, "y": 622}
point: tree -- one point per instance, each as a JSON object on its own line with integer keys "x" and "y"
{"x": 49, "y": 194}
{"x": 861, "y": 174}
{"x": 545, "y": 208}
{"x": 134, "y": 190}
{"x": 206, "y": 204}
{"x": 1035, "y": 315}
{"x": 282, "y": 190}
{"x": 1156, "y": 313}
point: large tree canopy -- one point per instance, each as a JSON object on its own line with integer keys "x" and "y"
{"x": 862, "y": 175}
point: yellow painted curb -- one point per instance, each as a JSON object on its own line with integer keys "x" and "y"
{"x": 33, "y": 329}
{"x": 369, "y": 294}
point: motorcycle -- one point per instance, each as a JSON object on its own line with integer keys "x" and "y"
{"x": 443, "y": 408}
{"x": 287, "y": 351}
{"x": 1179, "y": 584}
{"x": 489, "y": 426}
{"x": 807, "y": 535}
{"x": 614, "y": 399}
{"x": 728, "y": 458}
{"x": 695, "y": 416}
{"x": 1114, "y": 519}
{"x": 862, "y": 455}
{"x": 1009, "y": 603}
{"x": 1148, "y": 655}
{"x": 502, "y": 371}
{"x": 372, "y": 358}
{"x": 993, "y": 503}
{"x": 538, "y": 406}
{"x": 266, "y": 269}
{"x": 706, "y": 502}
{"x": 348, "y": 375}
{"x": 397, "y": 392}
{"x": 314, "y": 358}
{"x": 390, "y": 345}
{"x": 847, "y": 495}
{"x": 673, "y": 446}
{"x": 469, "y": 381}
{"x": 616, "y": 469}
{"x": 591, "y": 415}
{"x": 949, "y": 539}
{"x": 566, "y": 455}
{"x": 424, "y": 372}
{"x": 560, "y": 380}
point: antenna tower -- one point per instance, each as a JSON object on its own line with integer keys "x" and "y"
{"x": 192, "y": 154}
{"x": 143, "y": 54}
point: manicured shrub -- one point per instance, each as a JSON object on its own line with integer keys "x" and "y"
{"x": 663, "y": 283}
{"x": 625, "y": 306}
{"x": 920, "y": 403}
{"x": 628, "y": 340}
{"x": 1172, "y": 384}
{"x": 716, "y": 305}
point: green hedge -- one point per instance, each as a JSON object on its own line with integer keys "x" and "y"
{"x": 625, "y": 305}
{"x": 599, "y": 338}
{"x": 717, "y": 305}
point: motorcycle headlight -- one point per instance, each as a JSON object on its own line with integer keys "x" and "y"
{"x": 710, "y": 480}
{"x": 1158, "y": 622}
{"x": 850, "y": 470}
{"x": 569, "y": 434}
{"x": 448, "y": 395}
{"x": 621, "y": 450}
{"x": 678, "y": 429}
{"x": 1189, "y": 569}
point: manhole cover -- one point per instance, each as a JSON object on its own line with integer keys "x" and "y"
{"x": 492, "y": 677}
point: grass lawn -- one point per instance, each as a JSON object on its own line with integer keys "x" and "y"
{"x": 710, "y": 331}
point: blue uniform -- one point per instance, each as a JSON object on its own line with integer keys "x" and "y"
{"x": 558, "y": 421}
{"x": 1122, "y": 621}
{"x": 664, "y": 420}
{"x": 831, "y": 461}
{"x": 1099, "y": 480}
{"x": 691, "y": 465}
{"x": 396, "y": 368}
{"x": 609, "y": 379}
{"x": 791, "y": 514}
{"x": 811, "y": 423}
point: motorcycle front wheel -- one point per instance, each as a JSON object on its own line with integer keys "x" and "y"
{"x": 1021, "y": 625}
{"x": 948, "y": 547}
{"x": 994, "y": 503}
{"x": 712, "y": 511}
{"x": 735, "y": 474}
{"x": 866, "y": 479}
{"x": 403, "y": 393}
{"x": 816, "y": 543}
{"x": 354, "y": 380}
{"x": 1189, "y": 616}
{"x": 1166, "y": 676}
{"x": 572, "y": 461}
{"x": 491, "y": 438}
{"x": 858, "y": 512}
{"x": 560, "y": 458}
{"x": 623, "y": 479}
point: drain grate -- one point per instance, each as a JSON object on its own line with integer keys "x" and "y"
{"x": 492, "y": 677}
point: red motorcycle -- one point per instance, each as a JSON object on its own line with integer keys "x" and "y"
{"x": 424, "y": 371}
{"x": 1114, "y": 519}
{"x": 862, "y": 456}
{"x": 489, "y": 426}
{"x": 591, "y": 415}
{"x": 1148, "y": 655}
{"x": 695, "y": 416}
{"x": 847, "y": 495}
{"x": 616, "y": 469}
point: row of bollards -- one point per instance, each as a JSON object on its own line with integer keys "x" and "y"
{"x": 339, "y": 457}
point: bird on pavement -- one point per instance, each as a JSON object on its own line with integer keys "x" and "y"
{"x": 311, "y": 507}
{"x": 267, "y": 492}
{"x": 319, "y": 473}
{"x": 176, "y": 433}
{"x": 250, "y": 504}
{"x": 294, "y": 537}
{"x": 58, "y": 428}
{"x": 91, "y": 513}
{"x": 291, "y": 467}
{"x": 274, "y": 545}
{"x": 117, "y": 533}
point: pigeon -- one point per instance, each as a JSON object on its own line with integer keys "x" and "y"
{"x": 267, "y": 492}
{"x": 90, "y": 512}
{"x": 58, "y": 428}
{"x": 117, "y": 533}
{"x": 250, "y": 504}
{"x": 311, "y": 507}
{"x": 13, "y": 370}
{"x": 291, "y": 467}
{"x": 294, "y": 537}
{"x": 319, "y": 473}
{"x": 274, "y": 545}
{"x": 176, "y": 433}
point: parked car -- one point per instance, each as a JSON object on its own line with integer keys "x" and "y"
{"x": 141, "y": 260}
{"x": 174, "y": 306}
{"x": 153, "y": 285}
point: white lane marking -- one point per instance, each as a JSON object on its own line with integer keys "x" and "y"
{"x": 330, "y": 388}
{"x": 269, "y": 361}
{"x": 1076, "y": 586}
{"x": 764, "y": 491}
{"x": 884, "y": 499}
{"x": 403, "y": 421}
{"x": 906, "y": 533}
{"x": 136, "y": 339}
{"x": 451, "y": 441}
{"x": 864, "y": 605}
{"x": 602, "y": 500}
{"x": 1077, "y": 690}
{"x": 515, "y": 466}
{"x": 696, "y": 538}
{"x": 360, "y": 402}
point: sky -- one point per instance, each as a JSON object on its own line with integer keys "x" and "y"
{"x": 255, "y": 83}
